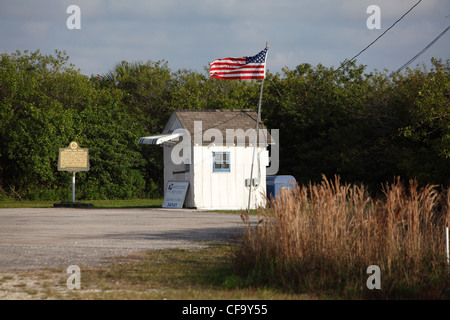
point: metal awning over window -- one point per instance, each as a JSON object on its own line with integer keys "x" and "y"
{"x": 160, "y": 138}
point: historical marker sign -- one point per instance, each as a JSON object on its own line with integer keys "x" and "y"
{"x": 73, "y": 158}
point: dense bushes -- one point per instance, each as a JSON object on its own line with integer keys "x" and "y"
{"x": 45, "y": 104}
{"x": 366, "y": 127}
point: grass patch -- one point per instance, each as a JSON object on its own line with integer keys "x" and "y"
{"x": 173, "y": 274}
{"x": 134, "y": 203}
{"x": 252, "y": 212}
{"x": 26, "y": 204}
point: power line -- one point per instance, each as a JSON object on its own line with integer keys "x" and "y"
{"x": 370, "y": 44}
{"x": 423, "y": 50}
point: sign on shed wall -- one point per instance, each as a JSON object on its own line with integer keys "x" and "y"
{"x": 175, "y": 194}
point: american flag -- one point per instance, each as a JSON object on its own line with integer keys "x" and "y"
{"x": 240, "y": 68}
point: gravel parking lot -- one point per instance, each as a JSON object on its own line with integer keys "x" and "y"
{"x": 60, "y": 237}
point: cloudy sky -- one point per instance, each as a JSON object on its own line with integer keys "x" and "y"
{"x": 189, "y": 34}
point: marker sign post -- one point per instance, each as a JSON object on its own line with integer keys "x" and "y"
{"x": 73, "y": 159}
{"x": 175, "y": 194}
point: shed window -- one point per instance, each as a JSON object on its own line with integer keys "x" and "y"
{"x": 221, "y": 162}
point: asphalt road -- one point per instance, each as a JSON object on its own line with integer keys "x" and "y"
{"x": 60, "y": 237}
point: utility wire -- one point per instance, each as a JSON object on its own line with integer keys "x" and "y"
{"x": 370, "y": 44}
{"x": 423, "y": 50}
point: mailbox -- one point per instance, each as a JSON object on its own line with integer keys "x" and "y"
{"x": 276, "y": 183}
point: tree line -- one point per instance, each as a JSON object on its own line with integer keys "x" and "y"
{"x": 367, "y": 127}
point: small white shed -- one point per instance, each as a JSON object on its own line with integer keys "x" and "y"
{"x": 214, "y": 150}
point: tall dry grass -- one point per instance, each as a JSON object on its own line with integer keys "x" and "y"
{"x": 322, "y": 237}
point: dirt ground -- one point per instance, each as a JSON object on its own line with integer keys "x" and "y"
{"x": 37, "y": 245}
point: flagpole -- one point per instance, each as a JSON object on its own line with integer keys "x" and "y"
{"x": 257, "y": 134}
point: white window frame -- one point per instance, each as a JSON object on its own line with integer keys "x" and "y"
{"x": 223, "y": 165}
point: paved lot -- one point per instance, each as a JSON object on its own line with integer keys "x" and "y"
{"x": 60, "y": 237}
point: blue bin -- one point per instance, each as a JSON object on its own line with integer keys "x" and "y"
{"x": 275, "y": 183}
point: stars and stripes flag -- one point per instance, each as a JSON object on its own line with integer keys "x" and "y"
{"x": 240, "y": 68}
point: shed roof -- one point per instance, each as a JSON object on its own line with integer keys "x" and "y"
{"x": 239, "y": 121}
